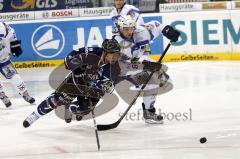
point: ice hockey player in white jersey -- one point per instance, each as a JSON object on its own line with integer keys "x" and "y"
{"x": 123, "y": 9}
{"x": 134, "y": 41}
{"x": 11, "y": 46}
{"x": 90, "y": 78}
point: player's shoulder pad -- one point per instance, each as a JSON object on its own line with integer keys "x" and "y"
{"x": 141, "y": 34}
{"x": 140, "y": 29}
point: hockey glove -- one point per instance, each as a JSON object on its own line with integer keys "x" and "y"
{"x": 151, "y": 66}
{"x": 16, "y": 48}
{"x": 171, "y": 33}
{"x": 108, "y": 86}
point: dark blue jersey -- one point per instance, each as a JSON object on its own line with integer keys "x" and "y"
{"x": 84, "y": 56}
{"x": 89, "y": 68}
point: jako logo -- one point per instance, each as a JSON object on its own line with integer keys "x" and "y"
{"x": 24, "y": 4}
{"x": 48, "y": 41}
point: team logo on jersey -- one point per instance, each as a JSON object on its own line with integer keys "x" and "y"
{"x": 48, "y": 41}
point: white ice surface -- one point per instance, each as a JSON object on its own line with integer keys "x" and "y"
{"x": 209, "y": 90}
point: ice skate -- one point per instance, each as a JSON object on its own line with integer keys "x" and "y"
{"x": 5, "y": 99}
{"x": 151, "y": 117}
{"x": 28, "y": 98}
{"x": 31, "y": 119}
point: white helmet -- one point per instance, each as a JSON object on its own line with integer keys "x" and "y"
{"x": 126, "y": 21}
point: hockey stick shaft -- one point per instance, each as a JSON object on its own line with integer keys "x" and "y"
{"x": 114, "y": 125}
{"x": 93, "y": 115}
{"x": 96, "y": 130}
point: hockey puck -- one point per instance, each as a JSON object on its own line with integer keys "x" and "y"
{"x": 203, "y": 140}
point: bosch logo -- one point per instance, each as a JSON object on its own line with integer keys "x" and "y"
{"x": 62, "y": 13}
{"x": 48, "y": 41}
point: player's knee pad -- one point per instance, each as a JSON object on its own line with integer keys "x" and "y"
{"x": 53, "y": 102}
{"x": 18, "y": 83}
{"x": 44, "y": 107}
{"x": 77, "y": 109}
{"x": 48, "y": 104}
{"x": 7, "y": 69}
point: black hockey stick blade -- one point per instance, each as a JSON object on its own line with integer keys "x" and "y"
{"x": 115, "y": 124}
{"x": 107, "y": 127}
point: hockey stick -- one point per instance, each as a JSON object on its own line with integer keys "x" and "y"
{"x": 114, "y": 125}
{"x": 96, "y": 129}
{"x": 93, "y": 115}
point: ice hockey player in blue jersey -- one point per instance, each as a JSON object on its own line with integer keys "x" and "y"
{"x": 135, "y": 41}
{"x": 89, "y": 80}
{"x": 11, "y": 46}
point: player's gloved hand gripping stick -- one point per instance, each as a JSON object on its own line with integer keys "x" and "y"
{"x": 114, "y": 125}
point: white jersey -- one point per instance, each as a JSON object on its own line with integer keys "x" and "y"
{"x": 141, "y": 39}
{"x": 128, "y": 10}
{"x": 7, "y": 34}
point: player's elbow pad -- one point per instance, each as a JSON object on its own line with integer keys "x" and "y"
{"x": 71, "y": 63}
{"x": 16, "y": 49}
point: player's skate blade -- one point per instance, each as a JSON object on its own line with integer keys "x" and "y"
{"x": 30, "y": 119}
{"x": 151, "y": 121}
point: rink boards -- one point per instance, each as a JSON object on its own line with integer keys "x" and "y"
{"x": 205, "y": 35}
